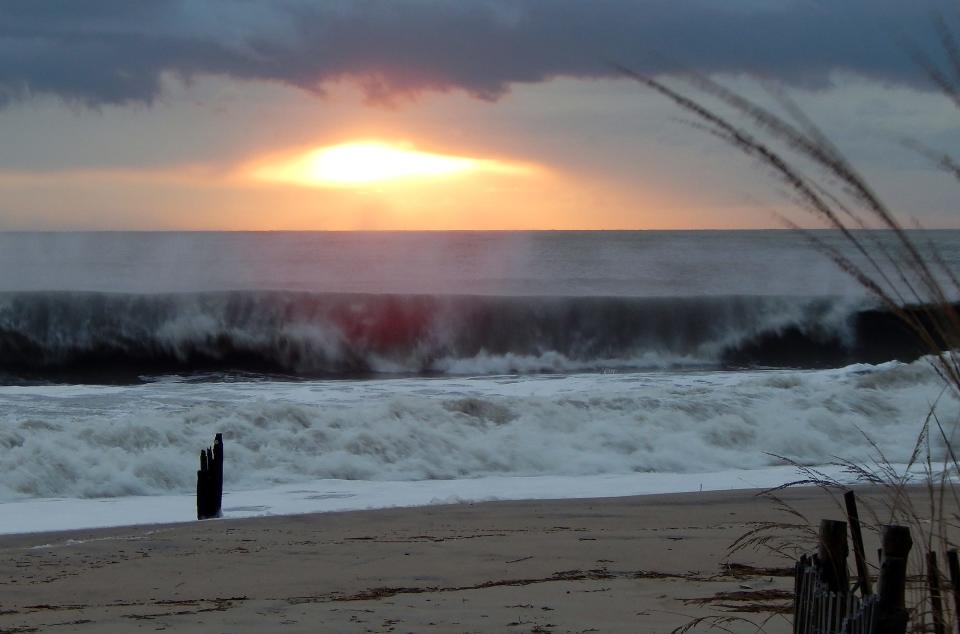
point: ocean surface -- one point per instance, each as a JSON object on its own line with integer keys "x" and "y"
{"x": 358, "y": 370}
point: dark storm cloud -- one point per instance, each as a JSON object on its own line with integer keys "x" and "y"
{"x": 115, "y": 51}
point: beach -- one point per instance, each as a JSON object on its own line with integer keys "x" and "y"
{"x": 430, "y": 432}
{"x": 635, "y": 564}
{"x": 425, "y": 316}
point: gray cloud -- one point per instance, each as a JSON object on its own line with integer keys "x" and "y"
{"x": 115, "y": 51}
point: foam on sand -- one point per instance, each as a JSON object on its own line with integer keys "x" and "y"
{"x": 322, "y": 496}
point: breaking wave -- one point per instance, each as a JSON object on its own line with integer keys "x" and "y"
{"x": 118, "y": 338}
{"x": 110, "y": 441}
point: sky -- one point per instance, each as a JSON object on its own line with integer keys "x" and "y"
{"x": 449, "y": 114}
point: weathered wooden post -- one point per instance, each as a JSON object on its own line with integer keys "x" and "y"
{"x": 833, "y": 574}
{"x": 891, "y": 611}
{"x": 833, "y": 555}
{"x": 856, "y": 536}
{"x": 933, "y": 583}
{"x": 202, "y": 487}
{"x": 218, "y": 475}
{"x": 953, "y": 563}
{"x": 210, "y": 481}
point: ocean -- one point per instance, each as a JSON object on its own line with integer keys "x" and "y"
{"x": 362, "y": 370}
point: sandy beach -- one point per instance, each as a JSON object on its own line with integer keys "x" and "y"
{"x": 641, "y": 564}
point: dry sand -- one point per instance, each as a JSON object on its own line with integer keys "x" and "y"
{"x": 640, "y": 564}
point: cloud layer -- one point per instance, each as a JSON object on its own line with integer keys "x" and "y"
{"x": 116, "y": 51}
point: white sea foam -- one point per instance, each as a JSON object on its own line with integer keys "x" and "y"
{"x": 101, "y": 442}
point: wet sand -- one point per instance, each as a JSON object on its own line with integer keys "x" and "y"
{"x": 640, "y": 564}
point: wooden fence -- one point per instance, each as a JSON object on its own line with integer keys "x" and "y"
{"x": 825, "y": 603}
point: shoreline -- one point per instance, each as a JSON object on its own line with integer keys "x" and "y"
{"x": 646, "y": 563}
{"x": 328, "y": 496}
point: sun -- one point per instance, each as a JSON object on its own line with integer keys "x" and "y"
{"x": 365, "y": 162}
{"x": 369, "y": 162}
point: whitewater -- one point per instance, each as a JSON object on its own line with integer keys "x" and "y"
{"x": 351, "y": 371}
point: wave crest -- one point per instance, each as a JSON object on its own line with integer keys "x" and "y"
{"x": 95, "y": 337}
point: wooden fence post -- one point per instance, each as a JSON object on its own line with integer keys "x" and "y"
{"x": 202, "y": 477}
{"x": 833, "y": 555}
{"x": 953, "y": 563}
{"x": 210, "y": 481}
{"x": 933, "y": 583}
{"x": 217, "y": 504}
{"x": 856, "y": 536}
{"x": 891, "y": 613}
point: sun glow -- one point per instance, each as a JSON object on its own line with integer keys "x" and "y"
{"x": 364, "y": 162}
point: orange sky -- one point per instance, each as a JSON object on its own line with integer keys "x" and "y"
{"x": 510, "y": 190}
{"x": 564, "y": 154}
{"x": 194, "y": 115}
{"x": 196, "y": 199}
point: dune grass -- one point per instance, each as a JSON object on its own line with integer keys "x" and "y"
{"x": 906, "y": 275}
